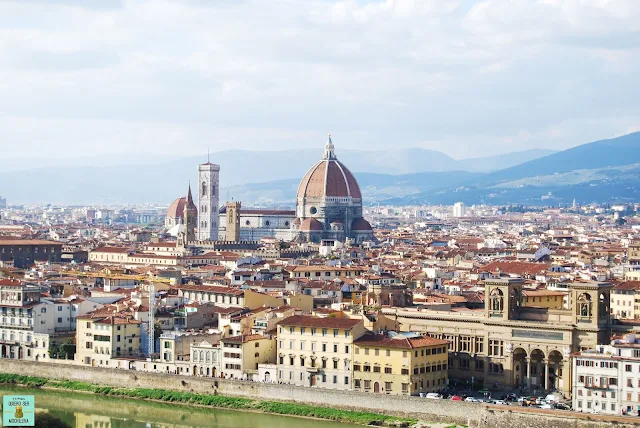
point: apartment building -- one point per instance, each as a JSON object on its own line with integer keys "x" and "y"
{"x": 242, "y": 354}
{"x": 607, "y": 379}
{"x": 26, "y": 323}
{"x": 399, "y": 363}
{"x": 625, "y": 300}
{"x": 317, "y": 352}
{"x": 102, "y": 337}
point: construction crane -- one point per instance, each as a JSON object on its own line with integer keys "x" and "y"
{"x": 152, "y": 322}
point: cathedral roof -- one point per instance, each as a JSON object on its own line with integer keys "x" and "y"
{"x": 360, "y": 224}
{"x": 329, "y": 178}
{"x": 311, "y": 224}
{"x": 176, "y": 209}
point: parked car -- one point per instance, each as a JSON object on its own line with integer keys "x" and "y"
{"x": 546, "y": 406}
{"x": 471, "y": 400}
{"x": 434, "y": 396}
{"x": 456, "y": 398}
{"x": 561, "y": 406}
{"x": 502, "y": 402}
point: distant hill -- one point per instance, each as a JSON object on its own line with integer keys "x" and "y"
{"x": 602, "y": 171}
{"x": 160, "y": 179}
{"x": 623, "y": 150}
{"x": 374, "y": 187}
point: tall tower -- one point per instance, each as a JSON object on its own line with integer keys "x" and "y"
{"x": 208, "y": 193}
{"x": 190, "y": 218}
{"x": 233, "y": 221}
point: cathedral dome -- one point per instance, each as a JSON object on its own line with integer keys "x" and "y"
{"x": 360, "y": 224}
{"x": 329, "y": 178}
{"x": 311, "y": 224}
{"x": 176, "y": 209}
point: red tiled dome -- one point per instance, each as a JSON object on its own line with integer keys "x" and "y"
{"x": 329, "y": 178}
{"x": 176, "y": 209}
{"x": 360, "y": 224}
{"x": 310, "y": 225}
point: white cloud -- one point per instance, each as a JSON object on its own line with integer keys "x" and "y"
{"x": 470, "y": 78}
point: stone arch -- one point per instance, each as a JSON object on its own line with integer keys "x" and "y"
{"x": 537, "y": 368}
{"x": 496, "y": 300}
{"x": 519, "y": 366}
{"x": 584, "y": 305}
{"x": 556, "y": 370}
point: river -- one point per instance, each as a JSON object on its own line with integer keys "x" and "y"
{"x": 88, "y": 411}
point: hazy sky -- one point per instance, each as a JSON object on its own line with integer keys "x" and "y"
{"x": 469, "y": 78}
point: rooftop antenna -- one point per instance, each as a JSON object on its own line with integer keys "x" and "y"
{"x": 208, "y": 161}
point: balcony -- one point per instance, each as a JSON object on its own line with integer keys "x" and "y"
{"x": 594, "y": 386}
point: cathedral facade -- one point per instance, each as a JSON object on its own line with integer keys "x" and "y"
{"x": 328, "y": 208}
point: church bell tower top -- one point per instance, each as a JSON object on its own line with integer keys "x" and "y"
{"x": 329, "y": 150}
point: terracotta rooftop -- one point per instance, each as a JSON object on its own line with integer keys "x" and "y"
{"x": 308, "y": 321}
{"x": 383, "y": 340}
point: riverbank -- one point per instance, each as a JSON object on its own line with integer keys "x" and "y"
{"x": 214, "y": 401}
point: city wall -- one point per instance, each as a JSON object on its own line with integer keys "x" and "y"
{"x": 476, "y": 415}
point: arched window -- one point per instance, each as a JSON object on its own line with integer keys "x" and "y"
{"x": 208, "y": 357}
{"x": 204, "y": 188}
{"x": 496, "y": 300}
{"x": 584, "y": 305}
{"x": 201, "y": 355}
{"x": 203, "y": 209}
{"x": 213, "y": 190}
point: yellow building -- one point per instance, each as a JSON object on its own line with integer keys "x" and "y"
{"x": 399, "y": 363}
{"x": 99, "y": 338}
{"x": 242, "y": 354}
{"x": 317, "y": 352}
{"x": 543, "y": 299}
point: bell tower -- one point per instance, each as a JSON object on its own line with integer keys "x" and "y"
{"x": 189, "y": 218}
{"x": 233, "y": 221}
{"x": 503, "y": 298}
{"x": 208, "y": 205}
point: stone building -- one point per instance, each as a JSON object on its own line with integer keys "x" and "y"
{"x": 510, "y": 345}
{"x": 607, "y": 378}
{"x": 233, "y": 221}
{"x": 329, "y": 203}
{"x": 208, "y": 201}
{"x": 317, "y": 352}
{"x": 25, "y": 252}
{"x": 26, "y": 322}
{"x": 399, "y": 364}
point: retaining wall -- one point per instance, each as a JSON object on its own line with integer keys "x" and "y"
{"x": 476, "y": 415}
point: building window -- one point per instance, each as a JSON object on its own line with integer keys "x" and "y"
{"x": 387, "y": 370}
{"x": 387, "y": 386}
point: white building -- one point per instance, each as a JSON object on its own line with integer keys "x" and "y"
{"x": 208, "y": 201}
{"x": 459, "y": 209}
{"x": 607, "y": 379}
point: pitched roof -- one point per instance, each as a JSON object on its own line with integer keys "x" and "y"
{"x": 403, "y": 342}
{"x": 329, "y": 322}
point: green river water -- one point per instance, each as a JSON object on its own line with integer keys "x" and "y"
{"x": 88, "y": 411}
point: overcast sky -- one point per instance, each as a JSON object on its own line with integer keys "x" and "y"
{"x": 469, "y": 78}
